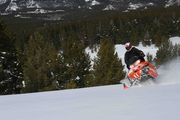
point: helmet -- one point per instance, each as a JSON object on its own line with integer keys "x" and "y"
{"x": 128, "y": 46}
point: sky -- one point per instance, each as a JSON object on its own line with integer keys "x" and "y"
{"x": 160, "y": 101}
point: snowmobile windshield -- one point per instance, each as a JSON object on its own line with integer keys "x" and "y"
{"x": 133, "y": 60}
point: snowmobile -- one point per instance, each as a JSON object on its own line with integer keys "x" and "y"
{"x": 141, "y": 71}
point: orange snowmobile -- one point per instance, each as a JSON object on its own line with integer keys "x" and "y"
{"x": 141, "y": 71}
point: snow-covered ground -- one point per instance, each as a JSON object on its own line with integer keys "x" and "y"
{"x": 156, "y": 102}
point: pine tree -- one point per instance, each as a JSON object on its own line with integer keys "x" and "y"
{"x": 108, "y": 68}
{"x": 164, "y": 53}
{"x": 149, "y": 57}
{"x": 77, "y": 64}
{"x": 10, "y": 69}
{"x": 39, "y": 64}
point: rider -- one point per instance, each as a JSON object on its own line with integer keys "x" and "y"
{"x": 131, "y": 52}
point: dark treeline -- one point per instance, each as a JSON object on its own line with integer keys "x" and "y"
{"x": 42, "y": 55}
{"x": 153, "y": 24}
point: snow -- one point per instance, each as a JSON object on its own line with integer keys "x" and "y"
{"x": 169, "y": 73}
{"x": 172, "y": 2}
{"x": 2, "y": 1}
{"x": 94, "y": 2}
{"x": 134, "y": 6}
{"x": 3, "y": 53}
{"x": 96, "y": 103}
{"x": 109, "y": 7}
{"x": 175, "y": 40}
{"x": 92, "y": 53}
{"x": 32, "y": 4}
{"x": 139, "y": 5}
{"x": 156, "y": 102}
{"x": 40, "y": 11}
{"x": 150, "y": 4}
{"x": 12, "y": 6}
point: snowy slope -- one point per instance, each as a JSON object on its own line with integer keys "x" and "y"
{"x": 98, "y": 103}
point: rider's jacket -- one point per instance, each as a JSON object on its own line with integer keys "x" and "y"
{"x": 132, "y": 53}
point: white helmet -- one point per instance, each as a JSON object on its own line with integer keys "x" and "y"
{"x": 128, "y": 46}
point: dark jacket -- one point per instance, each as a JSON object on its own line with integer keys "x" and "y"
{"x": 132, "y": 53}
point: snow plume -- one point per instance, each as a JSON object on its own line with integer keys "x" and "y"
{"x": 169, "y": 72}
{"x": 2, "y": 1}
